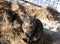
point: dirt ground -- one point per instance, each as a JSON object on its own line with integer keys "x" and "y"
{"x": 11, "y": 18}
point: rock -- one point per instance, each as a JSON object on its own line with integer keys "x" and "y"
{"x": 32, "y": 28}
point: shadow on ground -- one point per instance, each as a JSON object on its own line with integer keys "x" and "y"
{"x": 55, "y": 36}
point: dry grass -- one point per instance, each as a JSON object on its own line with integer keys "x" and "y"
{"x": 11, "y": 35}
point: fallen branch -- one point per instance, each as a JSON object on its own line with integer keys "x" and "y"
{"x": 30, "y": 3}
